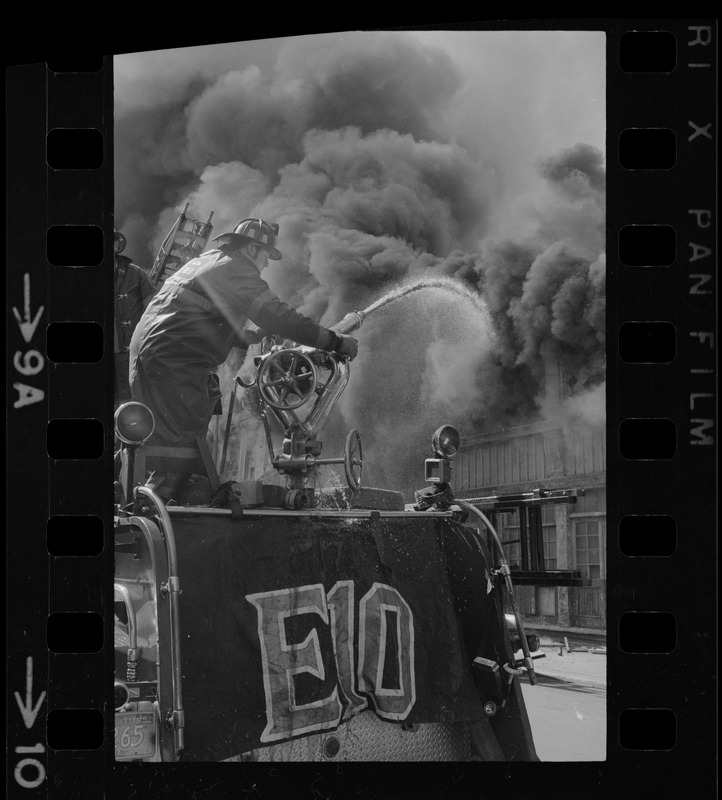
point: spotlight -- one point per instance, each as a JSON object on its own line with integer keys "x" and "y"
{"x": 446, "y": 442}
{"x": 134, "y": 423}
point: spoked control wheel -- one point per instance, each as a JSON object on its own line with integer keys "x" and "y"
{"x": 353, "y": 461}
{"x": 286, "y": 379}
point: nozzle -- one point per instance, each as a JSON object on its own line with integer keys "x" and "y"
{"x": 351, "y": 322}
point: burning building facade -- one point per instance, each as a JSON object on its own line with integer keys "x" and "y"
{"x": 547, "y": 456}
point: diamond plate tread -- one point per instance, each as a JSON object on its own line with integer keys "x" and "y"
{"x": 369, "y": 738}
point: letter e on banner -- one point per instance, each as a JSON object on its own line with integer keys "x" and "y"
{"x": 283, "y": 661}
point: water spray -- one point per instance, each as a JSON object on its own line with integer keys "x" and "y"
{"x": 444, "y": 284}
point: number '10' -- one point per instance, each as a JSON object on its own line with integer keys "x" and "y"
{"x": 380, "y": 607}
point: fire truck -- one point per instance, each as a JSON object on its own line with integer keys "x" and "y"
{"x": 286, "y": 622}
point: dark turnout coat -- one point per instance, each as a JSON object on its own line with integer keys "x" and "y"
{"x": 188, "y": 330}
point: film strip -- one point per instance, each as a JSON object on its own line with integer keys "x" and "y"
{"x": 661, "y": 422}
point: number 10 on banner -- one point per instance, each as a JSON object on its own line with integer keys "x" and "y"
{"x": 383, "y": 614}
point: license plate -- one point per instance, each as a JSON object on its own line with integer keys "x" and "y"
{"x": 135, "y": 735}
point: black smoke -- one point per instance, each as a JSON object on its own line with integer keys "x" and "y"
{"x": 344, "y": 142}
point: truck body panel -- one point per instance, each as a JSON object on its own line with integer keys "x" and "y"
{"x": 330, "y": 635}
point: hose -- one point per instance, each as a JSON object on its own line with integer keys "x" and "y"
{"x": 506, "y": 572}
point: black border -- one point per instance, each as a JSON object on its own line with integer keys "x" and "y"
{"x": 683, "y": 487}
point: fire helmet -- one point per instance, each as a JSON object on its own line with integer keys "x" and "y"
{"x": 119, "y": 242}
{"x": 254, "y": 231}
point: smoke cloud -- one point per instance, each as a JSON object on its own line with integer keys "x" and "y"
{"x": 546, "y": 292}
{"x": 345, "y": 141}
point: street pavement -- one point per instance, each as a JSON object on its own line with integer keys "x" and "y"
{"x": 568, "y": 723}
{"x": 568, "y": 706}
{"x": 581, "y": 668}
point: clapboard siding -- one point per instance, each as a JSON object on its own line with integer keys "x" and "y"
{"x": 519, "y": 457}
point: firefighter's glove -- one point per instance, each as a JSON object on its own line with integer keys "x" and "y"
{"x": 348, "y": 347}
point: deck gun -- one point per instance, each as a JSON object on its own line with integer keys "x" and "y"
{"x": 300, "y": 387}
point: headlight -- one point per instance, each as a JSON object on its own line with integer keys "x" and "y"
{"x": 446, "y": 441}
{"x": 121, "y": 695}
{"x": 134, "y": 423}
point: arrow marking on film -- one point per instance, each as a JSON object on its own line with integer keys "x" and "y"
{"x": 26, "y": 709}
{"x": 27, "y": 323}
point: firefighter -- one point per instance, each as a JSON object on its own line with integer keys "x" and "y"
{"x": 132, "y": 292}
{"x": 189, "y": 329}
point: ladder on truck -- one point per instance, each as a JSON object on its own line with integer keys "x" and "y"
{"x": 531, "y": 543}
{"x": 187, "y": 239}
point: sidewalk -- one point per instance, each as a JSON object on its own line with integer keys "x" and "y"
{"x": 582, "y": 668}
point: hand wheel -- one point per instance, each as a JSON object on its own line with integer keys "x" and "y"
{"x": 286, "y": 379}
{"x": 353, "y": 462}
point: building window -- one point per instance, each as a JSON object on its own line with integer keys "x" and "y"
{"x": 509, "y": 535}
{"x": 588, "y": 541}
{"x": 549, "y": 537}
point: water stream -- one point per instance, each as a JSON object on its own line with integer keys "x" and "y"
{"x": 445, "y": 284}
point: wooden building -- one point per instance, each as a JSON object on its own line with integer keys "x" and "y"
{"x": 548, "y": 455}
